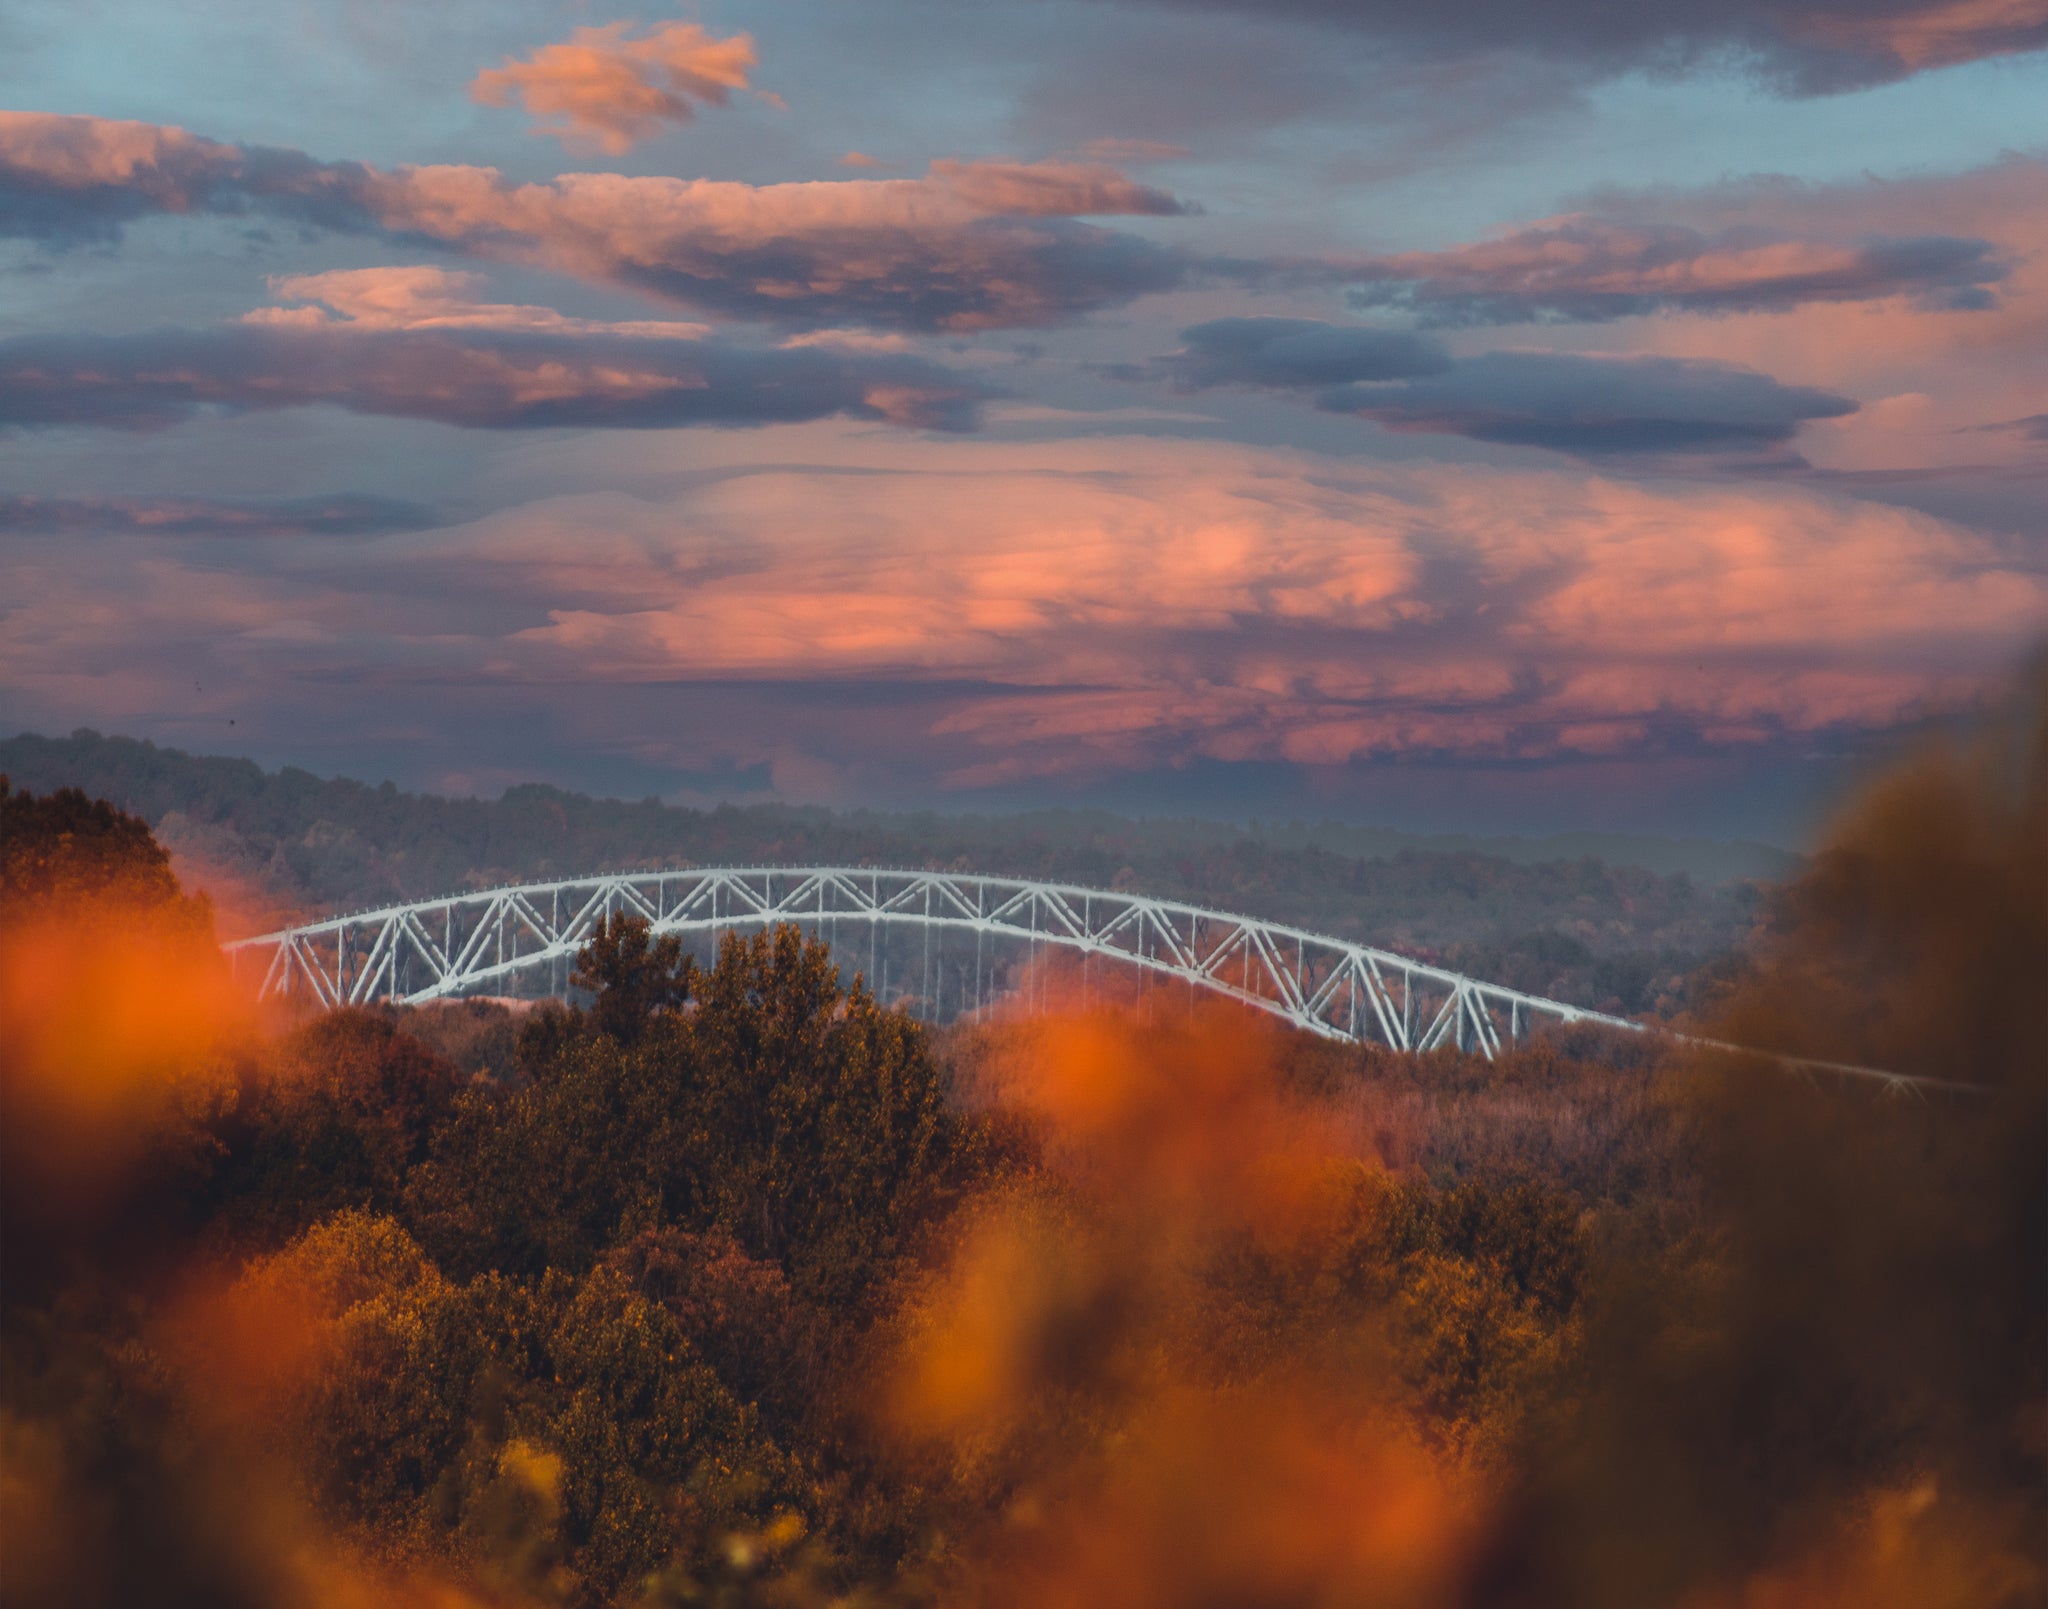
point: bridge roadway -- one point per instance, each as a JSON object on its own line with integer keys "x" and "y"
{"x": 471, "y": 943}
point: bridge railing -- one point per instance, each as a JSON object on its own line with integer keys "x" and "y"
{"x": 477, "y": 942}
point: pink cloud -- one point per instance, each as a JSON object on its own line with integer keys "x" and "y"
{"x": 1097, "y": 607}
{"x": 1929, "y": 378}
{"x": 971, "y": 245}
{"x": 1937, "y": 35}
{"x": 1591, "y": 268}
{"x": 1924, "y": 299}
{"x": 613, "y": 226}
{"x": 610, "y": 91}
{"x": 1945, "y": 242}
{"x": 980, "y": 614}
{"x": 1048, "y": 189}
{"x": 1147, "y": 602}
{"x": 159, "y": 164}
{"x": 422, "y": 297}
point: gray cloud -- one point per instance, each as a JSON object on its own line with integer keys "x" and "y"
{"x": 68, "y": 180}
{"x": 1595, "y": 405}
{"x": 1289, "y": 352}
{"x": 1798, "y": 46}
{"x": 482, "y": 379}
{"x": 993, "y": 274}
{"x": 1590, "y": 269}
{"x": 2002, "y": 500}
{"x": 344, "y": 514}
{"x": 1563, "y": 401}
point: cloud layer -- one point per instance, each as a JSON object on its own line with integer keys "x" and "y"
{"x": 1297, "y": 354}
{"x": 481, "y": 378}
{"x": 1804, "y": 46}
{"x": 1793, "y": 477}
{"x": 981, "y": 614}
{"x": 1596, "y": 405}
{"x": 349, "y": 514}
{"x": 1564, "y": 401}
{"x": 1590, "y": 269}
{"x": 972, "y": 245}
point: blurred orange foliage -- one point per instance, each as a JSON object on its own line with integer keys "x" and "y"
{"x": 1063, "y": 1360}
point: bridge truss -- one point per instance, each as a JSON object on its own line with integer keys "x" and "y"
{"x": 499, "y": 939}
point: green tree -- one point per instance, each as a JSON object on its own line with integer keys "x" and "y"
{"x": 550, "y": 1174}
{"x": 818, "y": 1121}
{"x": 798, "y": 1116}
{"x": 552, "y": 1422}
{"x": 346, "y": 1108}
{"x": 632, "y": 975}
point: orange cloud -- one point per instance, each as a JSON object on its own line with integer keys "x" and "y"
{"x": 607, "y": 90}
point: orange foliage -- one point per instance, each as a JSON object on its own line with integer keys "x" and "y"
{"x": 1183, "y": 1120}
{"x": 1263, "y": 1495}
{"x": 114, "y": 1018}
{"x": 1061, "y": 1362}
{"x": 1906, "y": 1549}
{"x": 243, "y": 1349}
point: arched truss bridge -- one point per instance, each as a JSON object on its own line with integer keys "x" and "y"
{"x": 501, "y": 939}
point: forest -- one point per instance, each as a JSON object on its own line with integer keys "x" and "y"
{"x": 1626, "y": 926}
{"x": 726, "y": 1285}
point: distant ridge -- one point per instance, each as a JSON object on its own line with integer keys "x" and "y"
{"x": 1710, "y": 860}
{"x": 1610, "y": 922}
{"x": 157, "y": 782}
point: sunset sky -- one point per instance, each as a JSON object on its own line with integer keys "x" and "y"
{"x": 1481, "y": 414}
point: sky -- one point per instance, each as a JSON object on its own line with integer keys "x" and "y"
{"x": 1479, "y": 415}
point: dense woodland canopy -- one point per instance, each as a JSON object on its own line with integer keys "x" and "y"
{"x": 1621, "y": 925}
{"x": 729, "y": 1286}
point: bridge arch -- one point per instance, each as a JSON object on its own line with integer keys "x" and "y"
{"x": 482, "y": 942}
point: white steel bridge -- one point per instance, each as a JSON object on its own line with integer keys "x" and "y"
{"x": 523, "y": 938}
